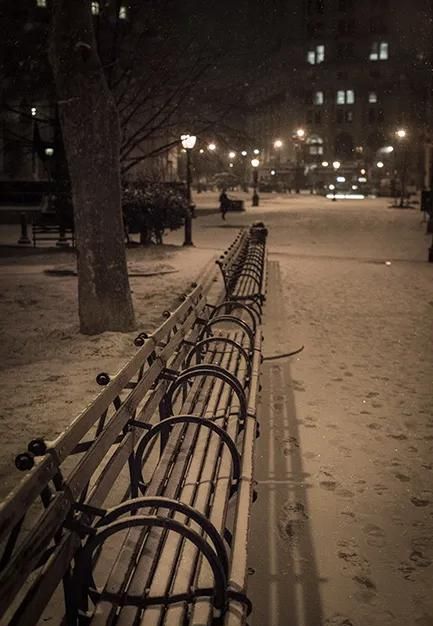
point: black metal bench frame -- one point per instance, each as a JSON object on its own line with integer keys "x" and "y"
{"x": 154, "y": 377}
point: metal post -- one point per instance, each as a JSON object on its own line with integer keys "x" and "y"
{"x": 256, "y": 199}
{"x": 188, "y": 217}
{"x": 24, "y": 239}
{"x": 403, "y": 177}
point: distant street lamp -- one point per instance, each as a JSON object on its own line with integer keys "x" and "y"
{"x": 401, "y": 135}
{"x": 188, "y": 143}
{"x": 298, "y": 137}
{"x": 380, "y": 164}
{"x": 300, "y": 133}
{"x": 278, "y": 144}
{"x": 255, "y": 164}
{"x": 232, "y": 155}
{"x": 325, "y": 163}
{"x": 244, "y": 153}
{"x": 256, "y": 151}
{"x": 336, "y": 165}
{"x": 211, "y": 147}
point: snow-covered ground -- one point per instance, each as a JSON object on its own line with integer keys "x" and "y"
{"x": 343, "y": 527}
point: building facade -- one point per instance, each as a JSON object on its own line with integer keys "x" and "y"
{"x": 349, "y": 74}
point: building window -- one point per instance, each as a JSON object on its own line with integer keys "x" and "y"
{"x": 345, "y": 96}
{"x": 372, "y": 115}
{"x": 379, "y": 51}
{"x": 309, "y": 117}
{"x": 316, "y": 55}
{"x": 41, "y": 3}
{"x": 346, "y": 27}
{"x": 340, "y": 116}
{"x": 377, "y": 26}
{"x": 345, "y": 49}
{"x": 95, "y": 8}
{"x": 318, "y": 117}
{"x": 318, "y": 97}
{"x": 348, "y": 116}
{"x": 123, "y": 13}
{"x": 372, "y": 97}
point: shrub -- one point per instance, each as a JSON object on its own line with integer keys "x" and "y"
{"x": 152, "y": 208}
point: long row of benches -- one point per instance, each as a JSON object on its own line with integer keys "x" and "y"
{"x": 139, "y": 512}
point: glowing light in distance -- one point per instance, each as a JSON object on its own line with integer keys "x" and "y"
{"x": 230, "y": 164}
{"x": 300, "y": 133}
{"x": 362, "y": 179}
{"x": 363, "y": 172}
{"x": 273, "y": 172}
{"x": 232, "y": 155}
{"x": 278, "y": 143}
{"x": 34, "y": 111}
{"x": 354, "y": 187}
{"x": 211, "y": 147}
{"x": 255, "y": 162}
{"x": 188, "y": 141}
{"x": 331, "y": 187}
{"x": 256, "y": 151}
{"x": 345, "y": 196}
{"x": 325, "y": 163}
{"x": 244, "y": 153}
{"x": 379, "y": 164}
{"x": 336, "y": 165}
{"x": 401, "y": 133}
{"x": 341, "y": 179}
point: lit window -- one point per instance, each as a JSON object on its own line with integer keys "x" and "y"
{"x": 345, "y": 96}
{"x": 123, "y": 13}
{"x": 316, "y": 55}
{"x": 95, "y": 8}
{"x": 34, "y": 111}
{"x": 318, "y": 97}
{"x": 379, "y": 51}
{"x": 372, "y": 97}
{"x": 41, "y": 3}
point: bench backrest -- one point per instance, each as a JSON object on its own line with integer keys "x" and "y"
{"x": 104, "y": 433}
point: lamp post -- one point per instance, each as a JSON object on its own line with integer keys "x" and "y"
{"x": 299, "y": 137}
{"x": 278, "y": 144}
{"x": 255, "y": 164}
{"x": 188, "y": 143}
{"x": 401, "y": 135}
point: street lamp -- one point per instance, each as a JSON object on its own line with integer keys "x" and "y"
{"x": 401, "y": 135}
{"x": 232, "y": 155}
{"x": 336, "y": 165}
{"x": 300, "y": 133}
{"x": 211, "y": 147}
{"x": 278, "y": 144}
{"x": 188, "y": 143}
{"x": 255, "y": 164}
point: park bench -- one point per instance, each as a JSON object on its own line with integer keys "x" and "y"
{"x": 129, "y": 531}
{"x": 54, "y": 223}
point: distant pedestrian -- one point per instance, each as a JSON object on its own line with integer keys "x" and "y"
{"x": 224, "y": 203}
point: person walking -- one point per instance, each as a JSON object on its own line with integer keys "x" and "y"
{"x": 224, "y": 203}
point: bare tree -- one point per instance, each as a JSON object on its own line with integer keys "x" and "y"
{"x": 91, "y": 136}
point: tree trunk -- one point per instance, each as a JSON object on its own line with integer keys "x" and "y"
{"x": 92, "y": 142}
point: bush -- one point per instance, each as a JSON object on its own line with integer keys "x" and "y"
{"x": 152, "y": 208}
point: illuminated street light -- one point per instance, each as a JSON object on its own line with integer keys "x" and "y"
{"x": 230, "y": 164}
{"x": 49, "y": 152}
{"x": 201, "y": 151}
{"x": 244, "y": 153}
{"x": 387, "y": 149}
{"x": 401, "y": 133}
{"x": 336, "y": 165}
{"x": 33, "y": 111}
{"x": 379, "y": 164}
{"x": 188, "y": 142}
{"x": 341, "y": 179}
{"x": 363, "y": 172}
{"x": 273, "y": 172}
{"x": 232, "y": 155}
{"x": 278, "y": 143}
{"x": 325, "y": 163}
{"x": 256, "y": 151}
{"x": 211, "y": 147}
{"x": 255, "y": 164}
{"x": 300, "y": 133}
